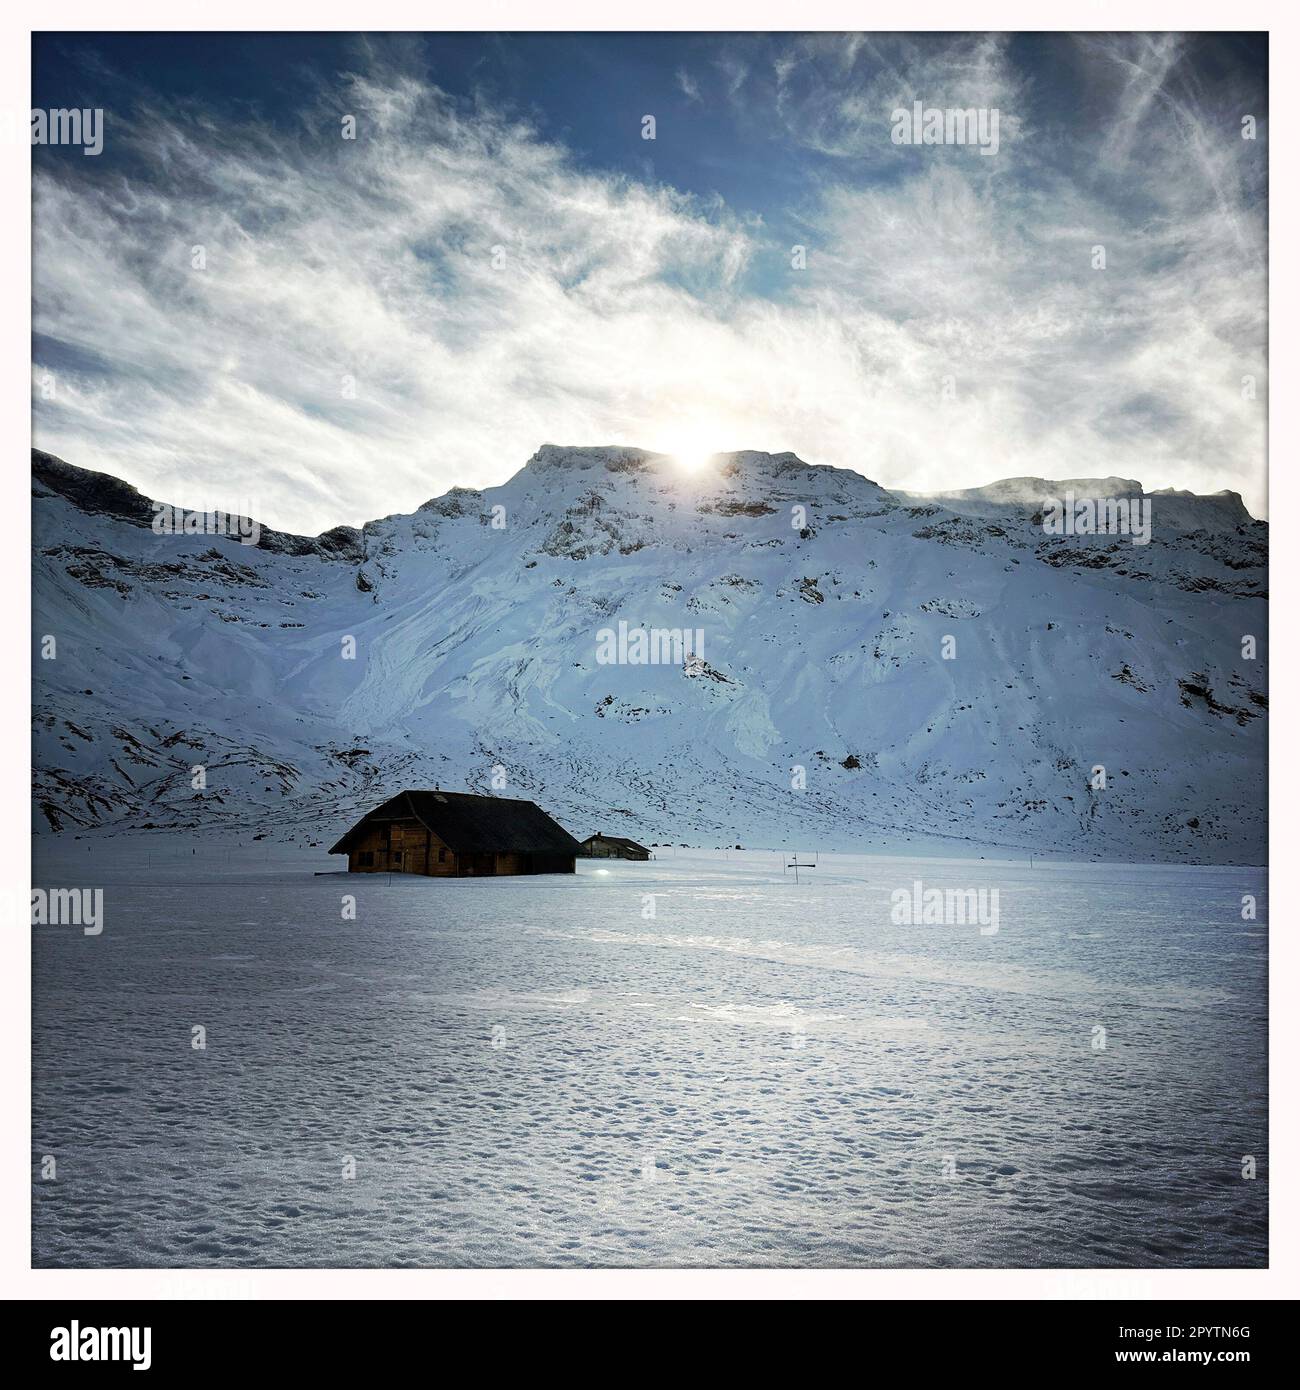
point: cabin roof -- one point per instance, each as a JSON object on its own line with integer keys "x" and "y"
{"x": 469, "y": 824}
{"x": 615, "y": 840}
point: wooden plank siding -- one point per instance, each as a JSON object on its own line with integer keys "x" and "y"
{"x": 407, "y": 847}
{"x": 400, "y": 847}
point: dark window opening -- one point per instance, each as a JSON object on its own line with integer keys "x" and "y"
{"x": 366, "y": 858}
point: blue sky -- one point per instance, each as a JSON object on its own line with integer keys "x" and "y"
{"x": 499, "y": 259}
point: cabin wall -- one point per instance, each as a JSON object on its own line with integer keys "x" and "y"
{"x": 597, "y": 849}
{"x": 400, "y": 847}
{"x": 536, "y": 863}
{"x": 552, "y": 864}
{"x": 407, "y": 846}
{"x": 369, "y": 854}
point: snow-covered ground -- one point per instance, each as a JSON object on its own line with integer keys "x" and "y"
{"x": 694, "y": 1061}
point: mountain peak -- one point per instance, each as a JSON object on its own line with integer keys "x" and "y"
{"x": 571, "y": 457}
{"x": 819, "y": 607}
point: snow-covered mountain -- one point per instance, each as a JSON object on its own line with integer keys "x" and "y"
{"x": 946, "y": 675}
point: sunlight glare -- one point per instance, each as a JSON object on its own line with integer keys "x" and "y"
{"x": 690, "y": 450}
{"x": 690, "y": 462}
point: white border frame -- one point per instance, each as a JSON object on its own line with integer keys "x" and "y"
{"x": 18, "y": 1280}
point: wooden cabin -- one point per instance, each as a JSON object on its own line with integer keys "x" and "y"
{"x": 612, "y": 847}
{"x": 456, "y": 835}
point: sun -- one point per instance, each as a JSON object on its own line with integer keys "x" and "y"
{"x": 690, "y": 451}
{"x": 690, "y": 462}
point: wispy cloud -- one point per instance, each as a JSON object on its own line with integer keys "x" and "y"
{"x": 486, "y": 291}
{"x": 834, "y": 91}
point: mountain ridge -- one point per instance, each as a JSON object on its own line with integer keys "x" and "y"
{"x": 823, "y": 600}
{"x": 96, "y": 490}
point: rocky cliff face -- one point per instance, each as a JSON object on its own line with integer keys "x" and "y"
{"x": 869, "y": 670}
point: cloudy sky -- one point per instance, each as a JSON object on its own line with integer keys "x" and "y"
{"x": 499, "y": 259}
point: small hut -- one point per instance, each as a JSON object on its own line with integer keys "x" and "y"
{"x": 612, "y": 847}
{"x": 456, "y": 835}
